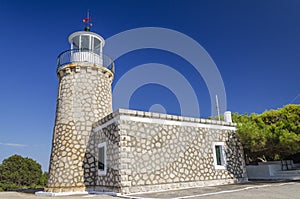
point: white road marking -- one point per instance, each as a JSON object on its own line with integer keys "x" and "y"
{"x": 235, "y": 190}
{"x": 212, "y": 193}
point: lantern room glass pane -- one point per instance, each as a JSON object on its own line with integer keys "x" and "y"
{"x": 75, "y": 43}
{"x": 85, "y": 42}
{"x": 97, "y": 46}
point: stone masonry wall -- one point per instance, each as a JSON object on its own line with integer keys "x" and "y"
{"x": 111, "y": 134}
{"x": 84, "y": 97}
{"x": 150, "y": 151}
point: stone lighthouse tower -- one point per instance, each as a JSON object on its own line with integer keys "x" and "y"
{"x": 84, "y": 96}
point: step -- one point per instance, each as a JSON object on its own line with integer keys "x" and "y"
{"x": 289, "y": 172}
{"x": 286, "y": 174}
{"x": 284, "y": 178}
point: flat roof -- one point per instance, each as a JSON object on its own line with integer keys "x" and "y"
{"x": 160, "y": 118}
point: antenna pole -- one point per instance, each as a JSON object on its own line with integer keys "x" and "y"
{"x": 295, "y": 98}
{"x": 218, "y": 109}
{"x": 87, "y": 22}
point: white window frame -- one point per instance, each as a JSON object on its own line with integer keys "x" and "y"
{"x": 102, "y": 172}
{"x": 223, "y": 155}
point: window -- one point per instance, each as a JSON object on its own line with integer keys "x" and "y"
{"x": 75, "y": 43}
{"x": 102, "y": 158}
{"x": 85, "y": 42}
{"x": 97, "y": 46}
{"x": 219, "y": 155}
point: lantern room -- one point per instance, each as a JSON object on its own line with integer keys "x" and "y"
{"x": 86, "y": 41}
{"x": 86, "y": 48}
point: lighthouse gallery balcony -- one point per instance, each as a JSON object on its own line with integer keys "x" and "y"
{"x": 76, "y": 56}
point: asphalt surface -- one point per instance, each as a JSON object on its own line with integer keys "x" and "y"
{"x": 282, "y": 190}
{"x": 265, "y": 190}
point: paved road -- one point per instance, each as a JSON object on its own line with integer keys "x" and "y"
{"x": 265, "y": 190}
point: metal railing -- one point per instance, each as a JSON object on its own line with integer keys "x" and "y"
{"x": 84, "y": 55}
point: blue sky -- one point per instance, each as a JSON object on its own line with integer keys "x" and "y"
{"x": 255, "y": 45}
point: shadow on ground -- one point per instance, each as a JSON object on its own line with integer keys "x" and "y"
{"x": 30, "y": 190}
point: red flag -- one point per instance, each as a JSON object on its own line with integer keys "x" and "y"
{"x": 85, "y": 20}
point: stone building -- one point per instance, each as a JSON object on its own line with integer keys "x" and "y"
{"x": 126, "y": 151}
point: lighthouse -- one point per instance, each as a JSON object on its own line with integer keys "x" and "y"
{"x": 129, "y": 151}
{"x": 84, "y": 96}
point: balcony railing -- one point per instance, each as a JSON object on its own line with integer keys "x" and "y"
{"x": 86, "y": 56}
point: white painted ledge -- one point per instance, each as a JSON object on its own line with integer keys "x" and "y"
{"x": 51, "y": 194}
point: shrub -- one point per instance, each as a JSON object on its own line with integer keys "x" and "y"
{"x": 8, "y": 186}
{"x": 18, "y": 172}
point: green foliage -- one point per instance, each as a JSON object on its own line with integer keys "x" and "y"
{"x": 8, "y": 186}
{"x": 44, "y": 179}
{"x": 18, "y": 172}
{"x": 272, "y": 135}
